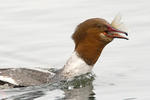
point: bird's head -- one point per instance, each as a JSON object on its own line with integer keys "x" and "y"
{"x": 97, "y": 29}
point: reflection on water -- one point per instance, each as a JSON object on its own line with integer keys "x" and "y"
{"x": 27, "y": 96}
{"x": 80, "y": 88}
{"x": 84, "y": 93}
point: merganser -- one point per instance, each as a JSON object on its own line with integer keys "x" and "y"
{"x": 90, "y": 37}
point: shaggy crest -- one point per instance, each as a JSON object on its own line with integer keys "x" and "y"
{"x": 116, "y": 23}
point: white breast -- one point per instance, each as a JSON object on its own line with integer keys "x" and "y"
{"x": 75, "y": 66}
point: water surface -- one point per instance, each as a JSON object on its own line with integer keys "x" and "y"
{"x": 36, "y": 33}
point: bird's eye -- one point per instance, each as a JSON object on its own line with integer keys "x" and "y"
{"x": 99, "y": 26}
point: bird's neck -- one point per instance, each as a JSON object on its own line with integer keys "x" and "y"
{"x": 75, "y": 66}
{"x": 83, "y": 59}
{"x": 90, "y": 51}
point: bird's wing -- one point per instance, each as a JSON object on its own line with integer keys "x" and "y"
{"x": 24, "y": 77}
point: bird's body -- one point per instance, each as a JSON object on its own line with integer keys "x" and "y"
{"x": 25, "y": 77}
{"x": 90, "y": 37}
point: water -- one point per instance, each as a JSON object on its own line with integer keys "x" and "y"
{"x": 37, "y": 34}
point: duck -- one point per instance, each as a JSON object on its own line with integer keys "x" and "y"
{"x": 90, "y": 38}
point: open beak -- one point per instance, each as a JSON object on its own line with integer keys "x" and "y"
{"x": 115, "y": 33}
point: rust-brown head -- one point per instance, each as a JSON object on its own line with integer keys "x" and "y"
{"x": 98, "y": 29}
{"x": 91, "y": 36}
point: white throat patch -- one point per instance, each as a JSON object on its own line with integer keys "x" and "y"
{"x": 75, "y": 66}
